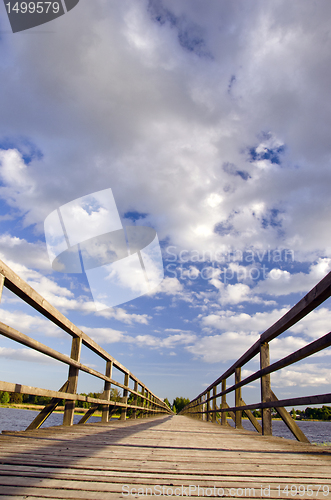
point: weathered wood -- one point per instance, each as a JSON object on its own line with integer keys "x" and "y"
{"x": 47, "y": 410}
{"x": 96, "y": 460}
{"x": 213, "y": 415}
{"x": 224, "y": 403}
{"x": 251, "y": 417}
{"x": 238, "y": 413}
{"x": 231, "y": 413}
{"x": 88, "y": 414}
{"x": 208, "y": 406}
{"x": 36, "y": 391}
{"x": 288, "y": 420}
{"x": 105, "y": 408}
{"x": 135, "y": 399}
{"x": 265, "y": 390}
{"x": 125, "y": 396}
{"x": 69, "y": 407}
{"x": 302, "y": 401}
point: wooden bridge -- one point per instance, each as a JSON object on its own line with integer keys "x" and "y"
{"x": 155, "y": 453}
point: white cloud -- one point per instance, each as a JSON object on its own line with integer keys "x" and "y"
{"x": 224, "y": 347}
{"x": 242, "y": 322}
{"x": 26, "y": 253}
{"x": 168, "y": 342}
{"x": 25, "y": 355}
{"x": 315, "y": 324}
{"x": 282, "y": 282}
{"x": 158, "y": 111}
{"x": 28, "y": 324}
{"x": 121, "y": 315}
{"x": 302, "y": 375}
{"x": 104, "y": 335}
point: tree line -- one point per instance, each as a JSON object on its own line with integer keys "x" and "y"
{"x": 323, "y": 413}
{"x": 28, "y": 399}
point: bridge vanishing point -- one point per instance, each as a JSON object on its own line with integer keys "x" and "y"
{"x": 155, "y": 453}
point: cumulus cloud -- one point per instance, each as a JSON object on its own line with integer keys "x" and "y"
{"x": 28, "y": 324}
{"x": 103, "y": 335}
{"x": 25, "y": 355}
{"x": 186, "y": 116}
{"x": 242, "y": 322}
{"x": 282, "y": 282}
{"x": 26, "y": 253}
{"x": 224, "y": 347}
{"x": 302, "y": 375}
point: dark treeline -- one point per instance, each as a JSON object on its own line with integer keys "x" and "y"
{"x": 18, "y": 398}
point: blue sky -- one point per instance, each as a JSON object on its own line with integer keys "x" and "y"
{"x": 210, "y": 123}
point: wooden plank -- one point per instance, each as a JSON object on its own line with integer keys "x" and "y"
{"x": 97, "y": 460}
{"x": 125, "y": 396}
{"x": 301, "y": 401}
{"x": 290, "y": 423}
{"x": 47, "y": 410}
{"x": 252, "y": 419}
{"x": 265, "y": 390}
{"x": 69, "y": 407}
{"x": 238, "y": 413}
{"x": 224, "y": 403}
{"x": 106, "y": 392}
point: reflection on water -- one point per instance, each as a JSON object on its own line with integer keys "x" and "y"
{"x": 12, "y": 419}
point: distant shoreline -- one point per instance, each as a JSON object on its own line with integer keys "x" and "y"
{"x": 60, "y": 409}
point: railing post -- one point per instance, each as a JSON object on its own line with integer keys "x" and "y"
{"x": 265, "y": 390}
{"x": 213, "y": 415}
{"x": 223, "y": 416}
{"x": 135, "y": 399}
{"x": 69, "y": 410}
{"x": 237, "y": 379}
{"x": 146, "y": 403}
{"x": 106, "y": 394}
{"x": 143, "y": 402}
{"x": 125, "y": 396}
{"x": 208, "y": 406}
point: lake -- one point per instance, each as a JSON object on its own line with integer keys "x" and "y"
{"x": 12, "y": 419}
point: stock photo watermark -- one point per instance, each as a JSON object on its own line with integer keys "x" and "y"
{"x": 25, "y": 15}
{"x": 262, "y": 491}
{"x": 120, "y": 262}
{"x": 227, "y": 265}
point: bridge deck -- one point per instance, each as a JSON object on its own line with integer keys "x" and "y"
{"x": 166, "y": 454}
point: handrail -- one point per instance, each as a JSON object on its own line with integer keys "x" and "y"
{"x": 200, "y": 406}
{"x": 149, "y": 404}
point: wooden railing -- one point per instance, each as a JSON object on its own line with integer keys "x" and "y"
{"x": 205, "y": 406}
{"x": 144, "y": 402}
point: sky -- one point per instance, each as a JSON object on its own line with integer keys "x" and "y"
{"x": 210, "y": 122}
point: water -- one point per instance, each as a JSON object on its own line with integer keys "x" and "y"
{"x": 14, "y": 419}
{"x": 316, "y": 432}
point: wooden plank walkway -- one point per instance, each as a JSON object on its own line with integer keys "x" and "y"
{"x": 168, "y": 457}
